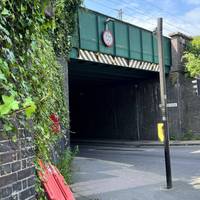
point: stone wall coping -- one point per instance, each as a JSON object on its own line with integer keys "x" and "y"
{"x": 179, "y": 34}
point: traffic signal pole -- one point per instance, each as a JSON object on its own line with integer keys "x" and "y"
{"x": 163, "y": 96}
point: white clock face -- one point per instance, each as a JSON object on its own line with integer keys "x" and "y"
{"x": 108, "y": 38}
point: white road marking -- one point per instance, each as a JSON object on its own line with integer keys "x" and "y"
{"x": 106, "y": 162}
{"x": 194, "y": 152}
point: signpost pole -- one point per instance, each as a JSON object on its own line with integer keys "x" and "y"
{"x": 163, "y": 96}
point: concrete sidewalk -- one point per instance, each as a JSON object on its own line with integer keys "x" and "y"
{"x": 135, "y": 143}
{"x": 96, "y": 179}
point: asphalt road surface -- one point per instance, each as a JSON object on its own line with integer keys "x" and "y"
{"x": 121, "y": 173}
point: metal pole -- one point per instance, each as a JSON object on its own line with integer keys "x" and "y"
{"x": 120, "y": 14}
{"x": 163, "y": 96}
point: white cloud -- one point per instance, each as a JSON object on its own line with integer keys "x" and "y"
{"x": 192, "y": 2}
{"x": 185, "y": 20}
{"x": 188, "y": 23}
{"x": 193, "y": 16}
{"x": 191, "y": 21}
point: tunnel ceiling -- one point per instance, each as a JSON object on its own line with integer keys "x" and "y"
{"x": 86, "y": 72}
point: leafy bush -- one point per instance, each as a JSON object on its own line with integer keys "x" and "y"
{"x": 190, "y": 136}
{"x": 65, "y": 162}
{"x": 192, "y": 57}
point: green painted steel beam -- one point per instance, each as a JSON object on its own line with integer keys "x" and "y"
{"x": 130, "y": 41}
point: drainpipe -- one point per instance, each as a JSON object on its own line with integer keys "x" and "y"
{"x": 137, "y": 112}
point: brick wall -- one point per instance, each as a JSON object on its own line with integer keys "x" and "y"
{"x": 186, "y": 116}
{"x": 17, "y": 180}
{"x": 17, "y": 172}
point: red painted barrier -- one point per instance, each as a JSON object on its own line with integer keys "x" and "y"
{"x": 54, "y": 183}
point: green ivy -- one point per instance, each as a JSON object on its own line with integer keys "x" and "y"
{"x": 65, "y": 162}
{"x": 33, "y": 33}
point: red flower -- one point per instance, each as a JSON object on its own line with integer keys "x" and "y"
{"x": 56, "y": 125}
{"x": 54, "y": 118}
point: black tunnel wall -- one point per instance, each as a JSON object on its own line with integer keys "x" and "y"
{"x": 126, "y": 111}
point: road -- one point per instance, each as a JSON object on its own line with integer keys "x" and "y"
{"x": 128, "y": 173}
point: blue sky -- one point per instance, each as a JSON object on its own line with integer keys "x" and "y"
{"x": 178, "y": 15}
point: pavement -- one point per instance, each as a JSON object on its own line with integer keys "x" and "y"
{"x": 136, "y": 143}
{"x": 107, "y": 172}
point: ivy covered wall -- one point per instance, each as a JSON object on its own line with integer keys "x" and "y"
{"x": 33, "y": 33}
